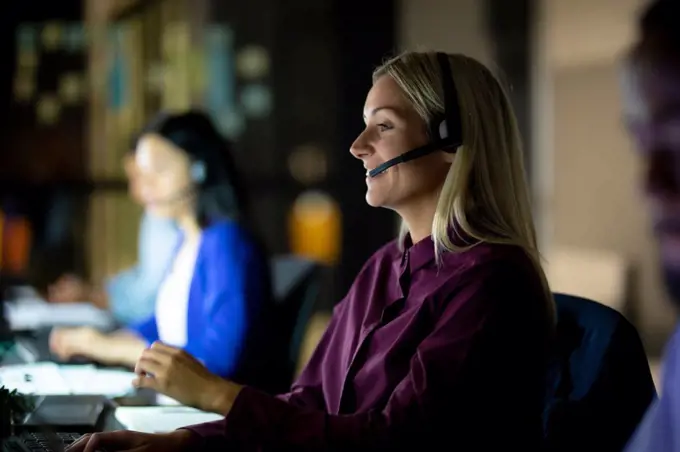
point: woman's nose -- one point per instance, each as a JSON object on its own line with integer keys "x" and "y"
{"x": 360, "y": 148}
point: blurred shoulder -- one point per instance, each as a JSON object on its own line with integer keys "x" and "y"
{"x": 229, "y": 233}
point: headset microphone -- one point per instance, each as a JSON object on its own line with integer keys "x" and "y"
{"x": 446, "y": 132}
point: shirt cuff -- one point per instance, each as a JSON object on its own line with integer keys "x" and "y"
{"x": 251, "y": 409}
{"x": 258, "y": 419}
{"x": 206, "y": 431}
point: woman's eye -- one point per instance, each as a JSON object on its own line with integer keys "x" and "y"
{"x": 383, "y": 127}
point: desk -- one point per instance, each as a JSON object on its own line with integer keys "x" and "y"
{"x": 28, "y": 347}
{"x": 54, "y": 379}
{"x": 25, "y": 312}
{"x": 111, "y": 423}
{"x": 39, "y": 342}
{"x": 33, "y": 346}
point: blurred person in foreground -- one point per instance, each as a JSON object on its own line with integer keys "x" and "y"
{"x": 444, "y": 334}
{"x": 651, "y": 93}
{"x": 131, "y": 294}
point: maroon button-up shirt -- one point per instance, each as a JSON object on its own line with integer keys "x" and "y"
{"x": 416, "y": 355}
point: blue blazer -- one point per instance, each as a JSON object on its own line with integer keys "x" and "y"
{"x": 228, "y": 291}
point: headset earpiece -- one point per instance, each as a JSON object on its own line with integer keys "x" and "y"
{"x": 443, "y": 130}
{"x": 198, "y": 172}
{"x": 437, "y": 129}
{"x": 439, "y": 136}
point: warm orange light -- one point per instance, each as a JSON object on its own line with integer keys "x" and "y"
{"x": 16, "y": 245}
{"x": 315, "y": 223}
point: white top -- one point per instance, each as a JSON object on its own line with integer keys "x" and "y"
{"x": 172, "y": 301}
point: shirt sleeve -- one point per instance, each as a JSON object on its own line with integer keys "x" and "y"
{"x": 132, "y": 292}
{"x": 127, "y": 296}
{"x": 658, "y": 430}
{"x": 147, "y": 330}
{"x": 258, "y": 421}
{"x": 654, "y": 434}
{"x": 234, "y": 295}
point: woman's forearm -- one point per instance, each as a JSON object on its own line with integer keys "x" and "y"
{"x": 99, "y": 299}
{"x": 119, "y": 348}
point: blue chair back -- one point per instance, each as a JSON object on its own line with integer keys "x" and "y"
{"x": 599, "y": 384}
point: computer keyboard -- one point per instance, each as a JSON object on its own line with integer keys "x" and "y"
{"x": 38, "y": 442}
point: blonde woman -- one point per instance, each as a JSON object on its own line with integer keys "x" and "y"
{"x": 441, "y": 340}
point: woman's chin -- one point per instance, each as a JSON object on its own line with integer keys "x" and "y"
{"x": 375, "y": 199}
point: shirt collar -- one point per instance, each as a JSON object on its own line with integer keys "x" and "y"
{"x": 422, "y": 253}
{"x": 416, "y": 256}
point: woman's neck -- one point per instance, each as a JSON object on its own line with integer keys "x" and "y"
{"x": 418, "y": 218}
{"x": 188, "y": 223}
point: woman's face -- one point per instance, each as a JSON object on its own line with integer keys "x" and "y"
{"x": 163, "y": 178}
{"x": 130, "y": 167}
{"x": 393, "y": 127}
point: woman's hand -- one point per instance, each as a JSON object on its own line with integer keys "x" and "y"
{"x": 175, "y": 373}
{"x": 68, "y": 289}
{"x": 69, "y": 342}
{"x": 125, "y": 440}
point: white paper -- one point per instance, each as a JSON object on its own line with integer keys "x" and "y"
{"x": 48, "y": 378}
{"x": 91, "y": 380}
{"x": 38, "y": 378}
{"x": 161, "y": 419}
{"x": 163, "y": 400}
{"x": 34, "y": 313}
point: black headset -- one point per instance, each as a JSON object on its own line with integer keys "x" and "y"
{"x": 445, "y": 131}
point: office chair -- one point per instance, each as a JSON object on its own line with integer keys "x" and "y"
{"x": 295, "y": 285}
{"x": 599, "y": 384}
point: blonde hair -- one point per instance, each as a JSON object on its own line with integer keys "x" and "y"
{"x": 485, "y": 195}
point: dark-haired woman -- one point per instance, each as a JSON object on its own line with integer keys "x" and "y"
{"x": 218, "y": 284}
